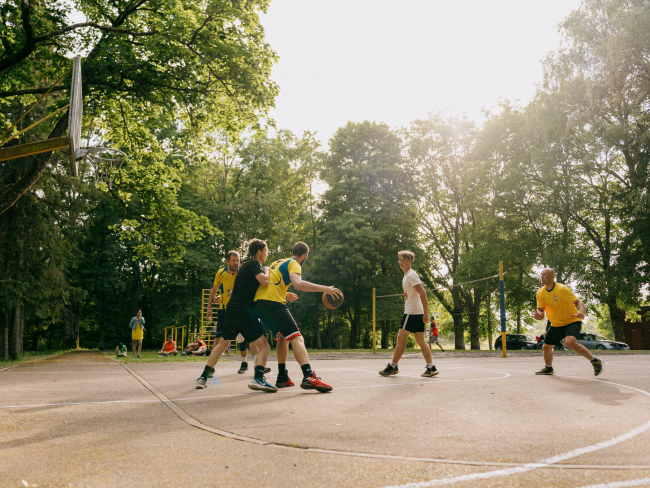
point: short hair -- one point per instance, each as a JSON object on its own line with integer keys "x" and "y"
{"x": 254, "y": 246}
{"x": 231, "y": 254}
{"x": 299, "y": 249}
{"x": 407, "y": 255}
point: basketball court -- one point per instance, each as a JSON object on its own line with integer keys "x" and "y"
{"x": 83, "y": 419}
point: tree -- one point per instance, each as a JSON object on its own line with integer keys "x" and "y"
{"x": 206, "y": 65}
{"x": 448, "y": 214}
{"x": 366, "y": 215}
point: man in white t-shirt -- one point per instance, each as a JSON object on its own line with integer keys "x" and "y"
{"x": 414, "y": 320}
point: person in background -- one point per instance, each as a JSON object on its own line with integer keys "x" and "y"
{"x": 433, "y": 335}
{"x": 120, "y": 350}
{"x": 137, "y": 332}
{"x": 197, "y": 348}
{"x": 169, "y": 348}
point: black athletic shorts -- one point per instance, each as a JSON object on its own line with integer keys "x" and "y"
{"x": 412, "y": 323}
{"x": 238, "y": 321}
{"x": 221, "y": 315}
{"x": 277, "y": 318}
{"x": 555, "y": 335}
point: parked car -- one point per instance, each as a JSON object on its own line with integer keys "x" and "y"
{"x": 517, "y": 341}
{"x": 596, "y": 341}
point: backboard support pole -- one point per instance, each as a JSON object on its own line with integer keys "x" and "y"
{"x": 34, "y": 148}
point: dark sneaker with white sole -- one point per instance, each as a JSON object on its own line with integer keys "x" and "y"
{"x": 598, "y": 366}
{"x": 389, "y": 370}
{"x": 267, "y": 370}
{"x": 545, "y": 370}
{"x": 260, "y": 384}
{"x": 284, "y": 382}
{"x": 432, "y": 371}
{"x": 243, "y": 368}
{"x": 201, "y": 383}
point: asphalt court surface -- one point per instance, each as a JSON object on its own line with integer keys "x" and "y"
{"x": 484, "y": 421}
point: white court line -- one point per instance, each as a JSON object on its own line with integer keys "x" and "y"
{"x": 622, "y": 484}
{"x": 428, "y": 382}
{"x": 544, "y": 462}
{"x": 69, "y": 372}
{"x": 9, "y": 367}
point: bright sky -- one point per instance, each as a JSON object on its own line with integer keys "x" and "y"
{"x": 397, "y": 60}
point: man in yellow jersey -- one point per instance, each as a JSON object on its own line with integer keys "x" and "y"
{"x": 224, "y": 281}
{"x": 565, "y": 313}
{"x": 271, "y": 307}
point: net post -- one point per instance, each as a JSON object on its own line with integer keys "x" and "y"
{"x": 374, "y": 321}
{"x": 502, "y": 303}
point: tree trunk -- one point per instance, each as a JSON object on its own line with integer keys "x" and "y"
{"x": 385, "y": 331}
{"x": 457, "y": 316}
{"x": 518, "y": 320}
{"x": 617, "y": 319}
{"x": 489, "y": 321}
{"x": 474, "y": 325}
{"x": 474, "y": 310}
{"x": 68, "y": 331}
{"x": 354, "y": 327}
{"x": 4, "y": 339}
{"x": 16, "y": 334}
{"x": 101, "y": 340}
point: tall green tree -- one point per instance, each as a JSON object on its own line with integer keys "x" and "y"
{"x": 367, "y": 218}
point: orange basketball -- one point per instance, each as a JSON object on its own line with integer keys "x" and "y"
{"x": 332, "y": 302}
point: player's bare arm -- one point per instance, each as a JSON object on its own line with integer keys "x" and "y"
{"x": 302, "y": 285}
{"x": 264, "y": 278}
{"x": 582, "y": 309}
{"x": 425, "y": 302}
{"x": 211, "y": 300}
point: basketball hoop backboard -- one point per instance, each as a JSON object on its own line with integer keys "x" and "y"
{"x": 75, "y": 116}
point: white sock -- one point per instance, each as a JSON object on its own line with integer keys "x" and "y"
{"x": 255, "y": 359}
{"x": 548, "y": 366}
{"x": 393, "y": 364}
{"x": 429, "y": 365}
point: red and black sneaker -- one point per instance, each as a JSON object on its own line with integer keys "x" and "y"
{"x": 284, "y": 382}
{"x": 314, "y": 383}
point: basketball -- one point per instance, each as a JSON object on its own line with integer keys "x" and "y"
{"x": 332, "y": 302}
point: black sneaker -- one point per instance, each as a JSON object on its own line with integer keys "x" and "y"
{"x": 267, "y": 370}
{"x": 243, "y": 368}
{"x": 430, "y": 372}
{"x": 389, "y": 370}
{"x": 284, "y": 382}
{"x": 545, "y": 370}
{"x": 598, "y": 366}
{"x": 201, "y": 383}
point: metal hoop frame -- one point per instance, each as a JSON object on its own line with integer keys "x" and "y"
{"x": 101, "y": 173}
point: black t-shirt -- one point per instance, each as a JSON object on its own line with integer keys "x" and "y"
{"x": 246, "y": 284}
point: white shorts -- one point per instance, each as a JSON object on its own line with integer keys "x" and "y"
{"x": 433, "y": 340}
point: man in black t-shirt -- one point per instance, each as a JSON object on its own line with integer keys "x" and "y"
{"x": 239, "y": 318}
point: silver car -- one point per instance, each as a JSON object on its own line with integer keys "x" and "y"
{"x": 596, "y": 341}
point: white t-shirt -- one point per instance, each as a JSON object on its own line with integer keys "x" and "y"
{"x": 412, "y": 302}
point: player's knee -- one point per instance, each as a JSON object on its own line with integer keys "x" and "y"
{"x": 570, "y": 341}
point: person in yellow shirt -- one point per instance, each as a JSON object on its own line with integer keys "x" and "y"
{"x": 224, "y": 281}
{"x": 270, "y": 305}
{"x": 565, "y": 312}
{"x": 137, "y": 332}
